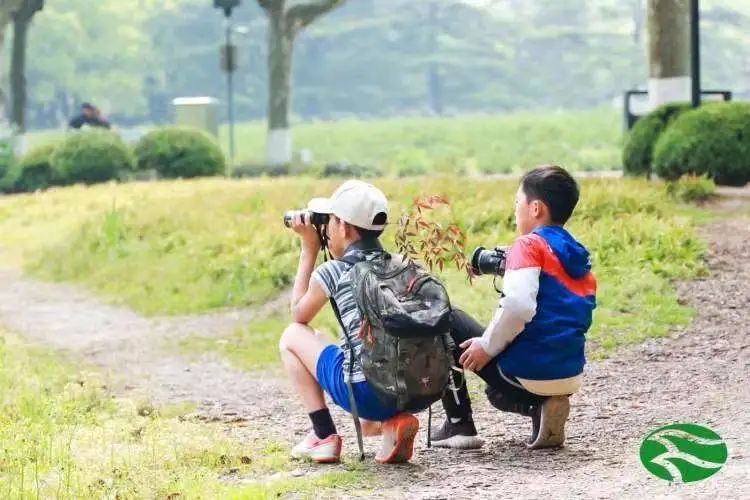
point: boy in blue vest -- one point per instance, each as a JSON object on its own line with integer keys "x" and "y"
{"x": 531, "y": 355}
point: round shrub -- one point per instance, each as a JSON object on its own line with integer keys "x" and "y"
{"x": 639, "y": 146}
{"x": 34, "y": 171}
{"x": 692, "y": 188}
{"x": 711, "y": 140}
{"x": 180, "y": 152}
{"x": 91, "y": 156}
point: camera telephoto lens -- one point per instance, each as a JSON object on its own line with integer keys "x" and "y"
{"x": 485, "y": 261}
{"x": 288, "y": 216}
{"x": 316, "y": 219}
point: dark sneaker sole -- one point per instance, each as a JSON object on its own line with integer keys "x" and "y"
{"x": 459, "y": 442}
{"x": 555, "y": 411}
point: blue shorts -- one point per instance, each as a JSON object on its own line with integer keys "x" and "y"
{"x": 330, "y": 373}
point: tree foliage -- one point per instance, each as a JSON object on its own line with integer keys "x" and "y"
{"x": 369, "y": 57}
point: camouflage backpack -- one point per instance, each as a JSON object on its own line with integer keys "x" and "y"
{"x": 407, "y": 350}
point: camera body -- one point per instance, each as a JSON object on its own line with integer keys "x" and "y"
{"x": 485, "y": 261}
{"x": 316, "y": 219}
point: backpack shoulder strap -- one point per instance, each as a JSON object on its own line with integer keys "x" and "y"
{"x": 350, "y": 389}
{"x": 351, "y": 260}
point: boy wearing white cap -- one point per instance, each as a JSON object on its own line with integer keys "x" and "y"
{"x": 358, "y": 214}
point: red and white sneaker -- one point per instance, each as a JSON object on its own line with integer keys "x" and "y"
{"x": 323, "y": 451}
{"x": 398, "y": 439}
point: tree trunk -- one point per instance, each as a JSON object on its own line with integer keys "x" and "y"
{"x": 18, "y": 75}
{"x": 280, "y": 50}
{"x": 669, "y": 51}
{"x": 283, "y": 26}
{"x": 7, "y": 8}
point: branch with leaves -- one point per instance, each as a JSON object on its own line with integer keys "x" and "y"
{"x": 420, "y": 238}
{"x": 301, "y": 15}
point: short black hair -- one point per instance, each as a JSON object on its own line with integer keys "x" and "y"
{"x": 371, "y": 234}
{"x": 554, "y": 186}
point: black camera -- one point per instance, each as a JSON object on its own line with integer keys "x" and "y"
{"x": 316, "y": 219}
{"x": 485, "y": 261}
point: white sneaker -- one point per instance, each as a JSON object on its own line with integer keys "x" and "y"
{"x": 323, "y": 451}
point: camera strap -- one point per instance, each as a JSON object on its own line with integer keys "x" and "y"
{"x": 323, "y": 237}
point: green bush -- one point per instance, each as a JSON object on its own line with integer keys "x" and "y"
{"x": 34, "y": 171}
{"x": 91, "y": 156}
{"x": 639, "y": 146}
{"x": 180, "y": 152}
{"x": 692, "y": 188}
{"x": 711, "y": 140}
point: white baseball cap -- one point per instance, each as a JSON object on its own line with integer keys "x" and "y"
{"x": 355, "y": 202}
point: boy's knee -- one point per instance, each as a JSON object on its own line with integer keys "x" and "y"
{"x": 286, "y": 340}
{"x": 290, "y": 334}
{"x": 504, "y": 401}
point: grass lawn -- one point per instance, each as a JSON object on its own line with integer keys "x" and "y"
{"x": 580, "y": 140}
{"x": 63, "y": 435}
{"x": 186, "y": 247}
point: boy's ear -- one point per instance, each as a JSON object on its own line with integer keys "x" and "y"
{"x": 537, "y": 208}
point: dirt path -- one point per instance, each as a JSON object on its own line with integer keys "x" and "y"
{"x": 700, "y": 375}
{"x": 130, "y": 348}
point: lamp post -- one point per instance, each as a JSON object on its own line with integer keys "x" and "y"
{"x": 695, "y": 53}
{"x": 229, "y": 64}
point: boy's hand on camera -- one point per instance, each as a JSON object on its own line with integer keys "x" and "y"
{"x": 474, "y": 357}
{"x": 308, "y": 233}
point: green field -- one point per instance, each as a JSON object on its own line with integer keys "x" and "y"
{"x": 186, "y": 247}
{"x": 580, "y": 140}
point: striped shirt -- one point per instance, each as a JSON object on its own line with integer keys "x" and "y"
{"x": 335, "y": 280}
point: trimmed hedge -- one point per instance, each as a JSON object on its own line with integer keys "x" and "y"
{"x": 34, "y": 171}
{"x": 712, "y": 140}
{"x": 91, "y": 156}
{"x": 180, "y": 152}
{"x": 638, "y": 151}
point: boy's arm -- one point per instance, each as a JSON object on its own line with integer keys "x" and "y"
{"x": 520, "y": 289}
{"x": 308, "y": 297}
